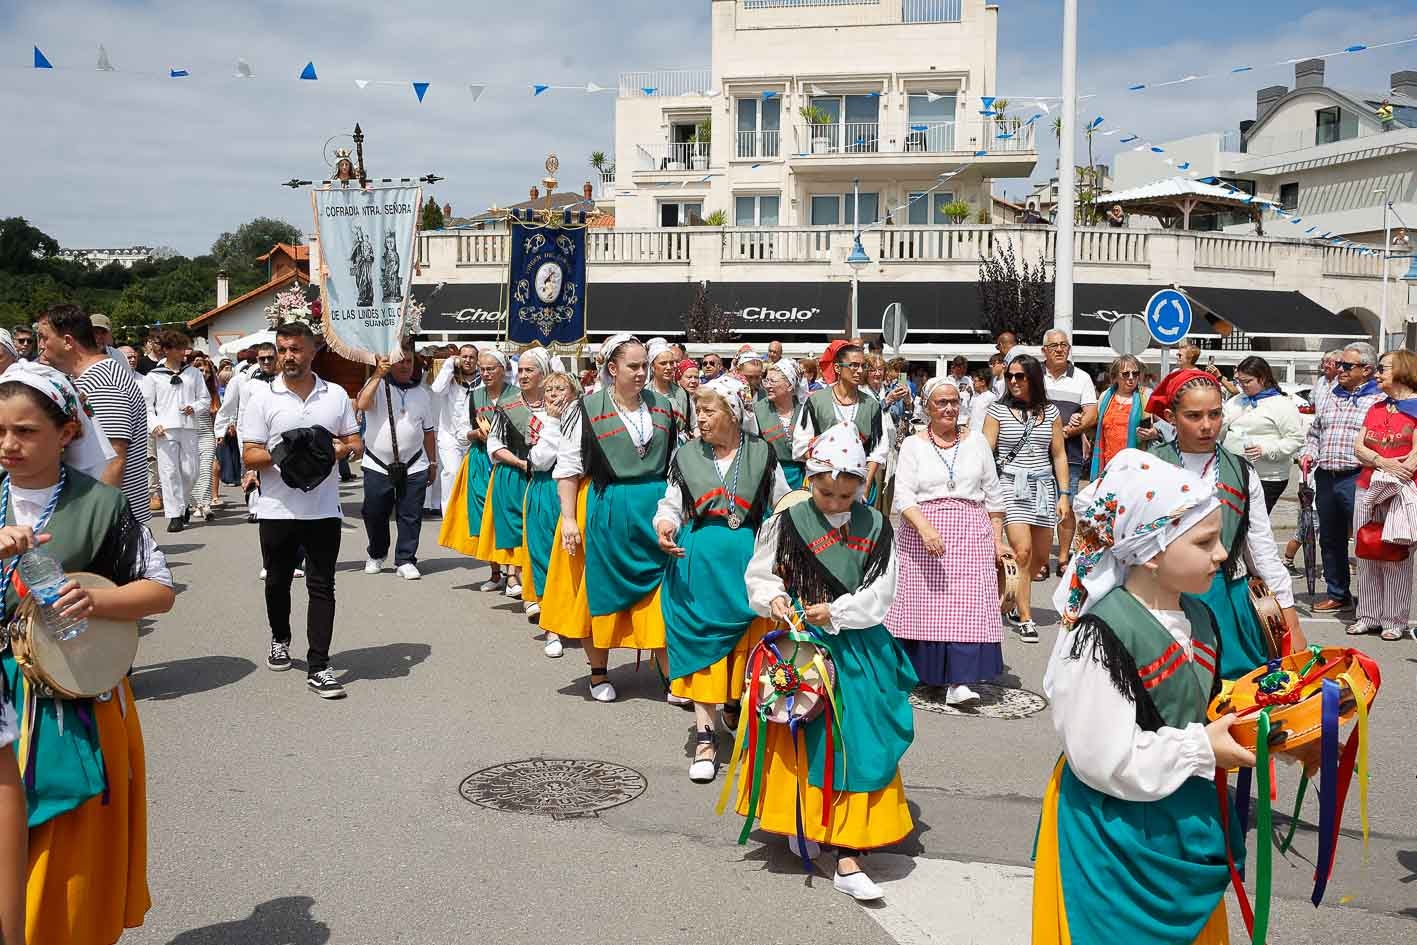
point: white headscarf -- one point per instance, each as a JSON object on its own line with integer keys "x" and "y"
{"x": 89, "y": 453}
{"x": 1127, "y": 517}
{"x": 7, "y": 341}
{"x": 538, "y": 357}
{"x": 837, "y": 451}
{"x": 730, "y": 389}
{"x": 749, "y": 355}
{"x": 654, "y": 348}
{"x": 607, "y": 354}
{"x": 502, "y": 359}
{"x": 791, "y": 373}
{"x": 932, "y": 385}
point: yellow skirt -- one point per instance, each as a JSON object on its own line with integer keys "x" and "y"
{"x": 565, "y": 610}
{"x": 723, "y": 681}
{"x": 1050, "y": 918}
{"x": 87, "y": 877}
{"x": 860, "y": 821}
{"x": 638, "y": 627}
{"x": 487, "y": 549}
{"x": 453, "y": 534}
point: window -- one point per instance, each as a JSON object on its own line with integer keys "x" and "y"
{"x": 853, "y": 123}
{"x": 756, "y": 210}
{"x": 1289, "y": 196}
{"x": 930, "y": 125}
{"x": 1334, "y": 124}
{"x": 836, "y": 209}
{"x": 928, "y": 209}
{"x": 675, "y": 213}
{"x": 759, "y": 127}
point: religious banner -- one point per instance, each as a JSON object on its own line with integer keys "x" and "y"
{"x": 366, "y": 239}
{"x": 546, "y": 284}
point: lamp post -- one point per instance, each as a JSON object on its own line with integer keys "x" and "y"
{"x": 1387, "y": 247}
{"x": 1063, "y": 263}
{"x": 858, "y": 260}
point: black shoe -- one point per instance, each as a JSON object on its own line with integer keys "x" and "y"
{"x": 324, "y": 685}
{"x": 251, "y": 518}
{"x": 186, "y": 516}
{"x": 175, "y": 525}
{"x": 279, "y": 660}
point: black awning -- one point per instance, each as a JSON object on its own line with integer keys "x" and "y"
{"x": 463, "y": 307}
{"x": 929, "y": 306}
{"x": 1124, "y": 299}
{"x": 779, "y": 308}
{"x": 1272, "y": 312}
{"x": 645, "y": 308}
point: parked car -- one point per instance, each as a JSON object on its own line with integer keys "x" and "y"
{"x": 1299, "y": 393}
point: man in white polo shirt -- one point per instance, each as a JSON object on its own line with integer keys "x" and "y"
{"x": 1074, "y": 393}
{"x": 305, "y": 515}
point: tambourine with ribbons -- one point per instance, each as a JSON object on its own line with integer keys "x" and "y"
{"x": 1010, "y": 580}
{"x": 789, "y": 680}
{"x": 1285, "y": 705}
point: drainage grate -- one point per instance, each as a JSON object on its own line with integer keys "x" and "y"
{"x": 995, "y": 702}
{"x": 553, "y": 786}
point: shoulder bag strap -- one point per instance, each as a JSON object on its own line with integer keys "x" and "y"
{"x": 393, "y": 422}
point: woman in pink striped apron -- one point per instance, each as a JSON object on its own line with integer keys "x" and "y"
{"x": 946, "y": 609}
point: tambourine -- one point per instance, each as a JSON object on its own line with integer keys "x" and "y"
{"x": 88, "y": 665}
{"x": 484, "y": 426}
{"x": 1291, "y": 688}
{"x": 795, "y": 497}
{"x": 1010, "y": 580}
{"x": 789, "y": 677}
{"x": 1271, "y": 617}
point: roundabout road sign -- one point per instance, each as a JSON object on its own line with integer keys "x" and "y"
{"x": 1168, "y": 316}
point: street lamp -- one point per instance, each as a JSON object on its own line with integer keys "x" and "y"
{"x": 1387, "y": 246}
{"x": 1063, "y": 260}
{"x": 858, "y": 260}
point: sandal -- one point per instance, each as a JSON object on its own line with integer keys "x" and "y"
{"x": 1063, "y": 566}
{"x": 1394, "y": 633}
{"x": 1041, "y": 574}
{"x": 1358, "y": 629}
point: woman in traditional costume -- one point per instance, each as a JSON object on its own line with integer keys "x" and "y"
{"x": 509, "y": 445}
{"x": 1132, "y": 846}
{"x": 543, "y": 507}
{"x": 832, "y": 560}
{"x": 465, "y": 509}
{"x": 777, "y": 416}
{"x": 687, "y": 376}
{"x": 618, "y": 440}
{"x": 81, "y": 759}
{"x": 947, "y": 493}
{"x": 722, "y": 485}
{"x": 662, "y": 368}
{"x": 1191, "y": 400}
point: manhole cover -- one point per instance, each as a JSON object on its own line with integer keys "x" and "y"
{"x": 553, "y": 786}
{"x": 995, "y": 702}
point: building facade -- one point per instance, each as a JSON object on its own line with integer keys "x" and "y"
{"x": 124, "y": 256}
{"x": 805, "y": 97}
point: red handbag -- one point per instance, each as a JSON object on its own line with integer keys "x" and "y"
{"x": 1369, "y": 545}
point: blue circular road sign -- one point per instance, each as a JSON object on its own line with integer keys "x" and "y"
{"x": 1168, "y": 316}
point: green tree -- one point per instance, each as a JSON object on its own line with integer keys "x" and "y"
{"x": 237, "y": 252}
{"x": 23, "y": 247}
{"x": 432, "y": 216}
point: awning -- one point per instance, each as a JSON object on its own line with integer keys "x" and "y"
{"x": 929, "y": 306}
{"x": 462, "y": 307}
{"x": 779, "y": 308}
{"x": 1121, "y": 299}
{"x": 1272, "y": 313}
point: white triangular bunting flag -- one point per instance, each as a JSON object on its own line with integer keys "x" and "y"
{"x": 932, "y": 96}
{"x": 1044, "y": 106}
{"x": 243, "y": 69}
{"x": 103, "y": 64}
{"x": 361, "y": 82}
{"x": 476, "y": 91}
{"x": 592, "y": 88}
{"x": 818, "y": 90}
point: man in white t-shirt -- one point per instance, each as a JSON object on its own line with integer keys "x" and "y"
{"x": 399, "y": 460}
{"x": 451, "y": 390}
{"x": 175, "y": 392}
{"x": 304, "y": 516}
{"x": 1073, "y": 391}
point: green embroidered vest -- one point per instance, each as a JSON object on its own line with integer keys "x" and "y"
{"x": 771, "y": 429}
{"x": 823, "y": 409}
{"x": 841, "y": 552}
{"x": 706, "y": 493}
{"x": 515, "y": 420}
{"x": 678, "y": 399}
{"x": 1232, "y": 488}
{"x": 1179, "y": 687}
{"x": 480, "y": 405}
{"x": 612, "y": 454}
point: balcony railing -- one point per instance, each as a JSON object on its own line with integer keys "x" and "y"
{"x": 990, "y": 136}
{"x": 931, "y": 11}
{"x": 637, "y": 246}
{"x": 1234, "y": 252}
{"x": 759, "y": 144}
{"x": 678, "y": 156}
{"x": 930, "y": 137}
{"x": 665, "y": 82}
{"x": 853, "y": 137}
{"x": 781, "y": 244}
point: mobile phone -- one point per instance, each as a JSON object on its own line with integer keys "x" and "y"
{"x": 1146, "y": 423}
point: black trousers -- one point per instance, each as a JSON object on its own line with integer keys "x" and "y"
{"x": 1273, "y": 489}
{"x": 407, "y": 509}
{"x": 282, "y": 541}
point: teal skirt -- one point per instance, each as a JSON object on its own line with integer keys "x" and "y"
{"x": 66, "y": 765}
{"x": 623, "y": 562}
{"x": 479, "y": 475}
{"x": 508, "y": 493}
{"x": 1146, "y": 873}
{"x": 794, "y": 473}
{"x": 1242, "y": 647}
{"x": 543, "y": 511}
{"x": 704, "y": 600}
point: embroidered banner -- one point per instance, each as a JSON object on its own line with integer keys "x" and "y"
{"x": 546, "y": 285}
{"x": 366, "y": 240}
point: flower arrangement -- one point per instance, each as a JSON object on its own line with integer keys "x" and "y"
{"x": 413, "y": 317}
{"x": 292, "y": 306}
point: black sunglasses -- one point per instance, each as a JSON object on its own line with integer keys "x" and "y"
{"x": 1016, "y": 376}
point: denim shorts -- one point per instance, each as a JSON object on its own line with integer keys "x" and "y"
{"x": 1074, "y": 480}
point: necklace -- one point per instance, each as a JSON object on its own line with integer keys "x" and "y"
{"x": 734, "y": 521}
{"x": 1213, "y": 457}
{"x": 39, "y": 524}
{"x": 941, "y": 453}
{"x": 634, "y": 427}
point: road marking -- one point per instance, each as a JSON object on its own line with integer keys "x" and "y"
{"x": 945, "y": 902}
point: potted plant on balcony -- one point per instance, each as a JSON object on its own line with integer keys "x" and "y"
{"x": 956, "y": 211}
{"x": 603, "y": 166}
{"x": 701, "y": 139}
{"x": 717, "y": 218}
{"x": 817, "y": 121}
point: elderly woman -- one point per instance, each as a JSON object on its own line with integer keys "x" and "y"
{"x": 1387, "y": 449}
{"x": 1026, "y": 438}
{"x": 946, "y": 490}
{"x": 687, "y": 376}
{"x": 1264, "y": 426}
{"x": 1122, "y": 421}
{"x": 721, "y": 488}
{"x": 777, "y": 417}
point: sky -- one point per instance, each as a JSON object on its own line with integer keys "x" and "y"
{"x": 135, "y": 157}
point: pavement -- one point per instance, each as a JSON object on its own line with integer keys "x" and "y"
{"x": 276, "y": 818}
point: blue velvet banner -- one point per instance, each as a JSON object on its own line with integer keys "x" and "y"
{"x": 547, "y": 284}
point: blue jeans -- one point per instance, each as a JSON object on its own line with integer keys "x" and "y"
{"x": 407, "y": 508}
{"x": 1335, "y": 495}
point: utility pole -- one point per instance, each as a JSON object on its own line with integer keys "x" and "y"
{"x": 1067, "y": 187}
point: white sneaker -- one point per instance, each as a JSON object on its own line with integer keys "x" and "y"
{"x": 958, "y": 695}
{"x": 814, "y": 849}
{"x": 602, "y": 692}
{"x": 373, "y": 566}
{"x": 298, "y": 573}
{"x": 262, "y": 575}
{"x": 409, "y": 572}
{"x": 554, "y": 649}
{"x": 680, "y": 701}
{"x": 532, "y": 609}
{"x": 514, "y": 588}
{"x": 858, "y": 886}
{"x": 198, "y": 515}
{"x": 494, "y": 584}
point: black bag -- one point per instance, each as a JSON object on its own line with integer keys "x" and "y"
{"x": 397, "y": 471}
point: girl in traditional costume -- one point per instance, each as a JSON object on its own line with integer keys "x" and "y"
{"x": 832, "y": 558}
{"x": 1134, "y": 844}
{"x": 849, "y": 401}
{"x": 1192, "y": 402}
{"x": 662, "y": 381}
{"x": 722, "y": 484}
{"x": 81, "y": 759}
{"x": 777, "y": 416}
{"x": 618, "y": 440}
{"x": 465, "y": 509}
{"x": 542, "y": 507}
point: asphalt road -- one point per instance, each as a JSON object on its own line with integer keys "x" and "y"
{"x": 276, "y": 818}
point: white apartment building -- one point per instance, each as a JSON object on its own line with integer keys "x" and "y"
{"x": 124, "y": 256}
{"x": 803, "y": 97}
{"x": 1320, "y": 152}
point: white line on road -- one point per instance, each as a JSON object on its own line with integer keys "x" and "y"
{"x": 944, "y": 902}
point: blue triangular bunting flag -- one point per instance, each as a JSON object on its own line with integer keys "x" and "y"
{"x": 40, "y": 60}
{"x": 178, "y": 73}
{"x": 419, "y": 88}
{"x": 649, "y": 89}
{"x": 538, "y": 89}
{"x": 309, "y": 72}
{"x": 767, "y": 95}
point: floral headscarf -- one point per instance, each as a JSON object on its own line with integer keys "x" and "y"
{"x": 837, "y": 451}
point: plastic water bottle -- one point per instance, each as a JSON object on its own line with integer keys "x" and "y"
{"x": 45, "y": 578}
